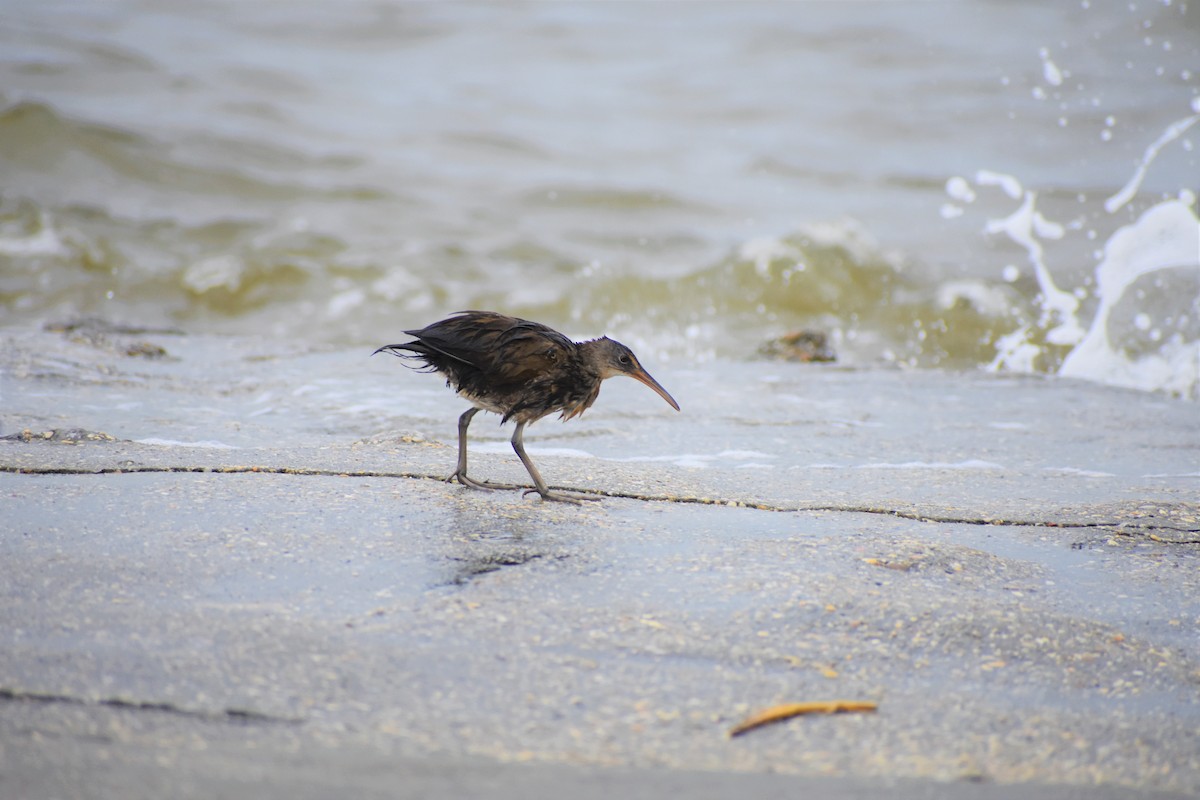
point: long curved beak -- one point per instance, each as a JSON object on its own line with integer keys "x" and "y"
{"x": 644, "y": 377}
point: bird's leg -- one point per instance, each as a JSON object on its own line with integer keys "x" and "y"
{"x": 460, "y": 472}
{"x": 518, "y": 443}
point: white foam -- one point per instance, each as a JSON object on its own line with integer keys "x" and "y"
{"x": 532, "y": 450}
{"x": 344, "y": 302}
{"x": 1025, "y": 227}
{"x": 1015, "y": 352}
{"x": 1008, "y": 183}
{"x": 971, "y": 463}
{"x": 705, "y": 460}
{"x": 210, "y": 444}
{"x": 846, "y": 233}
{"x": 1008, "y": 426}
{"x": 689, "y": 460}
{"x": 43, "y": 243}
{"x": 1173, "y": 132}
{"x": 968, "y": 464}
{"x": 765, "y": 249}
{"x": 960, "y": 189}
{"x": 216, "y": 272}
{"x": 1165, "y": 236}
{"x": 742, "y": 455}
{"x": 1050, "y": 71}
{"x": 987, "y": 300}
{"x": 1074, "y": 471}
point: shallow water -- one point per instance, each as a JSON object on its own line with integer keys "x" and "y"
{"x": 1007, "y": 186}
{"x": 766, "y": 424}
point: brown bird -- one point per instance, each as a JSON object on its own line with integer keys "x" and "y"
{"x": 522, "y": 371}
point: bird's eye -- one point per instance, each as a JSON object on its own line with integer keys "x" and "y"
{"x": 624, "y": 359}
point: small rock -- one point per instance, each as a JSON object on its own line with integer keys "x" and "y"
{"x": 803, "y": 345}
{"x": 63, "y": 435}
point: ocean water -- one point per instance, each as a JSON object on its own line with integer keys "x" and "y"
{"x": 1005, "y": 186}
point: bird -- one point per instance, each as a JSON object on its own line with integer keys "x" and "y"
{"x": 522, "y": 371}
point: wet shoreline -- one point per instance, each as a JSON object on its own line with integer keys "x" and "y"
{"x": 313, "y": 591}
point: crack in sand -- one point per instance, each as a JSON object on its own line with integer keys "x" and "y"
{"x": 242, "y": 715}
{"x": 1117, "y": 526}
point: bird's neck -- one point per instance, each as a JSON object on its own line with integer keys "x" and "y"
{"x": 592, "y": 359}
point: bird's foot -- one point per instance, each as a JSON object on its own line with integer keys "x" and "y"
{"x": 462, "y": 478}
{"x": 560, "y": 497}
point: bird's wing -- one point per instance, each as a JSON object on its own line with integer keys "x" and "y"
{"x": 466, "y": 337}
{"x": 502, "y": 353}
{"x": 527, "y": 352}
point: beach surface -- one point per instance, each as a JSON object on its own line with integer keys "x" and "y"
{"x": 232, "y": 567}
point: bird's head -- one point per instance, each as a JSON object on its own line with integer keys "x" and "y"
{"x": 612, "y": 358}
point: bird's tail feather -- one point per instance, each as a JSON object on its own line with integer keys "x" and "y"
{"x": 410, "y": 351}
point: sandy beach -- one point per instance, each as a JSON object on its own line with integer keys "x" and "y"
{"x": 294, "y": 605}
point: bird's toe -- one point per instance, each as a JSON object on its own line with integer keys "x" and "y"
{"x": 462, "y": 478}
{"x": 560, "y": 497}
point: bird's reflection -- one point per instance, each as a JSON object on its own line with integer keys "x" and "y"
{"x": 486, "y": 542}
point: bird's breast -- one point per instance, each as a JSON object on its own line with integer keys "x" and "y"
{"x": 488, "y": 402}
{"x": 580, "y": 402}
{"x": 536, "y": 399}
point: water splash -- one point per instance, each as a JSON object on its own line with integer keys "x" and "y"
{"x": 1050, "y": 71}
{"x": 1164, "y": 239}
{"x": 1027, "y": 227}
{"x": 1173, "y": 132}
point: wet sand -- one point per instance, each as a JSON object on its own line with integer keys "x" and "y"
{"x": 273, "y": 593}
